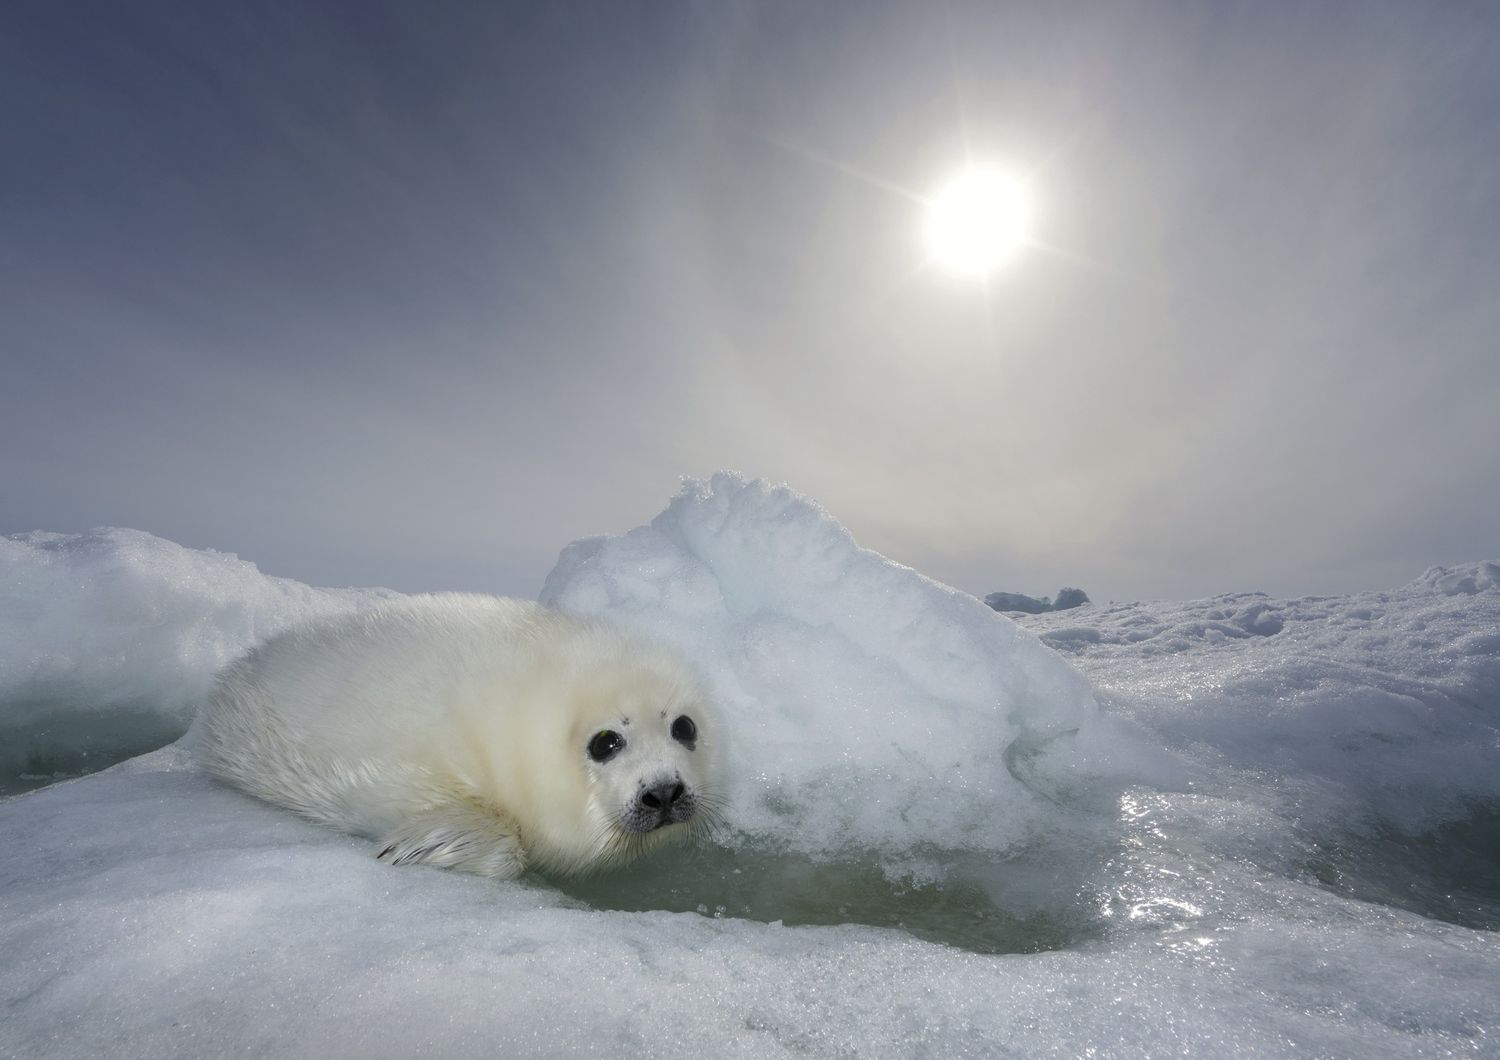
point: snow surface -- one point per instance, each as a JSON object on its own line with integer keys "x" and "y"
{"x": 1254, "y": 827}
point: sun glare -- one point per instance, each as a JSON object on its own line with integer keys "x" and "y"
{"x": 977, "y": 222}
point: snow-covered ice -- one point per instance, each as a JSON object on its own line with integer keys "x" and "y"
{"x": 109, "y": 639}
{"x": 1388, "y": 701}
{"x": 1236, "y": 826}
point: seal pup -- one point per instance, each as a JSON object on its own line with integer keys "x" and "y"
{"x": 469, "y": 732}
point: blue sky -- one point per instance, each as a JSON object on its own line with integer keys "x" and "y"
{"x": 415, "y": 294}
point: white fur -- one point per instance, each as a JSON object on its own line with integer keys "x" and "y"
{"x": 454, "y": 728}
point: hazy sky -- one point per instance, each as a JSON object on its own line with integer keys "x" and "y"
{"x": 414, "y": 294}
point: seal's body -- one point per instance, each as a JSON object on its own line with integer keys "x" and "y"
{"x": 470, "y": 732}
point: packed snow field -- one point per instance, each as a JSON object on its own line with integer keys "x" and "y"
{"x": 1236, "y": 826}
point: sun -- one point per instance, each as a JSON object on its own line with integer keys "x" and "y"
{"x": 977, "y": 222}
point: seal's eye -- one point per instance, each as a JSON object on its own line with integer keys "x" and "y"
{"x": 605, "y": 745}
{"x": 683, "y": 730}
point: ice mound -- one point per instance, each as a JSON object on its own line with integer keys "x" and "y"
{"x": 108, "y": 639}
{"x": 870, "y": 707}
{"x": 1468, "y": 579}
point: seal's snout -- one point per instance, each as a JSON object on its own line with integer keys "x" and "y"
{"x": 660, "y": 804}
{"x": 664, "y": 796}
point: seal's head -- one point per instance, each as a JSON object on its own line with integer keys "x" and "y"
{"x": 639, "y": 769}
{"x": 646, "y": 748}
{"x": 637, "y": 764}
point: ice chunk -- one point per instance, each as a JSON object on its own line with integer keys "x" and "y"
{"x": 1026, "y": 605}
{"x": 1468, "y": 580}
{"x": 869, "y": 706}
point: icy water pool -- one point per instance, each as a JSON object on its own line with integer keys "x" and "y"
{"x": 1449, "y": 873}
{"x": 972, "y": 910}
{"x": 53, "y": 743}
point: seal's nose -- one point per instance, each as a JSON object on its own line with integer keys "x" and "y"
{"x": 663, "y": 796}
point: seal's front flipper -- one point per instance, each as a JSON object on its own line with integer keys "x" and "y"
{"x": 469, "y": 838}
